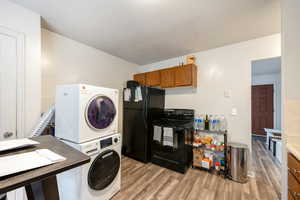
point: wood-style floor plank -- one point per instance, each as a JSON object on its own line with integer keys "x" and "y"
{"x": 150, "y": 182}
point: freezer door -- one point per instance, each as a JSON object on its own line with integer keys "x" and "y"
{"x": 136, "y": 105}
{"x": 135, "y": 134}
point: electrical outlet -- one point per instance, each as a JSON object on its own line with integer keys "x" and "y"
{"x": 234, "y": 111}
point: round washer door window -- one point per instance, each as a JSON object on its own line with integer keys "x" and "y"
{"x": 100, "y": 112}
{"x": 104, "y": 170}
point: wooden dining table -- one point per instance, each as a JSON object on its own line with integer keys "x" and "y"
{"x": 41, "y": 183}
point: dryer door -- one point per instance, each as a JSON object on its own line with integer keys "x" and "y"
{"x": 104, "y": 170}
{"x": 100, "y": 112}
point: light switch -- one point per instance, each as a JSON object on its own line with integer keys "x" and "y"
{"x": 233, "y": 111}
{"x": 227, "y": 93}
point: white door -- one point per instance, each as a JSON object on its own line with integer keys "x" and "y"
{"x": 8, "y": 87}
{"x": 9, "y": 68}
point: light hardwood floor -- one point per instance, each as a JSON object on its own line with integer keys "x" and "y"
{"x": 151, "y": 182}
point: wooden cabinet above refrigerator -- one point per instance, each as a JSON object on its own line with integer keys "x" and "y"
{"x": 141, "y": 78}
{"x": 179, "y": 76}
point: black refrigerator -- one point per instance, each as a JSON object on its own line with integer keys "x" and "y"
{"x": 137, "y": 122}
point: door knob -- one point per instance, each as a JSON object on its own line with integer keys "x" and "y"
{"x": 8, "y": 134}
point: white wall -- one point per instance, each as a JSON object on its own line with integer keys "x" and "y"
{"x": 19, "y": 19}
{"x": 290, "y": 78}
{"x": 24, "y": 21}
{"x": 66, "y": 61}
{"x": 274, "y": 79}
{"x": 223, "y": 69}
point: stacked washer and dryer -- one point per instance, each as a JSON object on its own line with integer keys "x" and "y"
{"x": 86, "y": 118}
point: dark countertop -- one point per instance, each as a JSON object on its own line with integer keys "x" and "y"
{"x": 73, "y": 157}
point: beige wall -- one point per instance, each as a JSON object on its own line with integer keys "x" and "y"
{"x": 65, "y": 61}
{"x": 225, "y": 69}
{"x": 21, "y": 20}
{"x": 291, "y": 67}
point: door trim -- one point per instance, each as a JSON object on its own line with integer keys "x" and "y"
{"x": 20, "y": 37}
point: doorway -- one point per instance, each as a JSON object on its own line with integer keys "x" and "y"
{"x": 262, "y": 108}
{"x": 266, "y": 95}
{"x": 266, "y": 121}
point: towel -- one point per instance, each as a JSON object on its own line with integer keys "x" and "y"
{"x": 168, "y": 139}
{"x": 157, "y": 134}
{"x": 138, "y": 94}
{"x": 127, "y": 94}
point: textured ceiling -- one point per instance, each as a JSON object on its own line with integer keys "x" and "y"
{"x": 147, "y": 31}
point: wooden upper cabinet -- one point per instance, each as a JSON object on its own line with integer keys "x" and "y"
{"x": 186, "y": 75}
{"x": 167, "y": 78}
{"x": 183, "y": 76}
{"x": 153, "y": 78}
{"x": 141, "y": 78}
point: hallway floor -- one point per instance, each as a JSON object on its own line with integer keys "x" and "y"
{"x": 150, "y": 182}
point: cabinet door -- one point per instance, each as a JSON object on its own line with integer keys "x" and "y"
{"x": 294, "y": 166}
{"x": 185, "y": 75}
{"x": 167, "y": 78}
{"x": 141, "y": 78}
{"x": 153, "y": 78}
{"x": 293, "y": 186}
{"x": 290, "y": 196}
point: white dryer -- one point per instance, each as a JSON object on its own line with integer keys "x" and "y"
{"x": 84, "y": 113}
{"x": 98, "y": 180}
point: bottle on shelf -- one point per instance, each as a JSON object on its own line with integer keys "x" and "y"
{"x": 211, "y": 125}
{"x": 217, "y": 127}
{"x": 223, "y": 123}
{"x": 201, "y": 123}
{"x": 215, "y": 123}
{"x": 196, "y": 123}
{"x": 206, "y": 123}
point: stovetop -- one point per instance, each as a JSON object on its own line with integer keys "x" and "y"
{"x": 177, "y": 118}
{"x": 179, "y": 114}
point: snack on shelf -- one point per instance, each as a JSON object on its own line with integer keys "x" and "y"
{"x": 198, "y": 155}
{"x": 207, "y": 140}
{"x": 217, "y": 166}
{"x": 221, "y": 147}
{"x": 222, "y": 162}
{"x": 197, "y": 140}
{"x": 207, "y": 163}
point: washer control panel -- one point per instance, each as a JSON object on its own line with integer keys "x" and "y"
{"x": 109, "y": 141}
{"x": 106, "y": 142}
{"x": 116, "y": 139}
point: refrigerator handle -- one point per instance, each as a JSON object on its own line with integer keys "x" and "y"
{"x": 145, "y": 107}
{"x": 145, "y": 118}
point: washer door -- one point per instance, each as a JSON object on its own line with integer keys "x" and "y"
{"x": 100, "y": 112}
{"x": 104, "y": 170}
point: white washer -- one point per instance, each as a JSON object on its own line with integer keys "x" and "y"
{"x": 98, "y": 180}
{"x": 84, "y": 113}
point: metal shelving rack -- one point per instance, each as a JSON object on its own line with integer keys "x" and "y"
{"x": 222, "y": 133}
